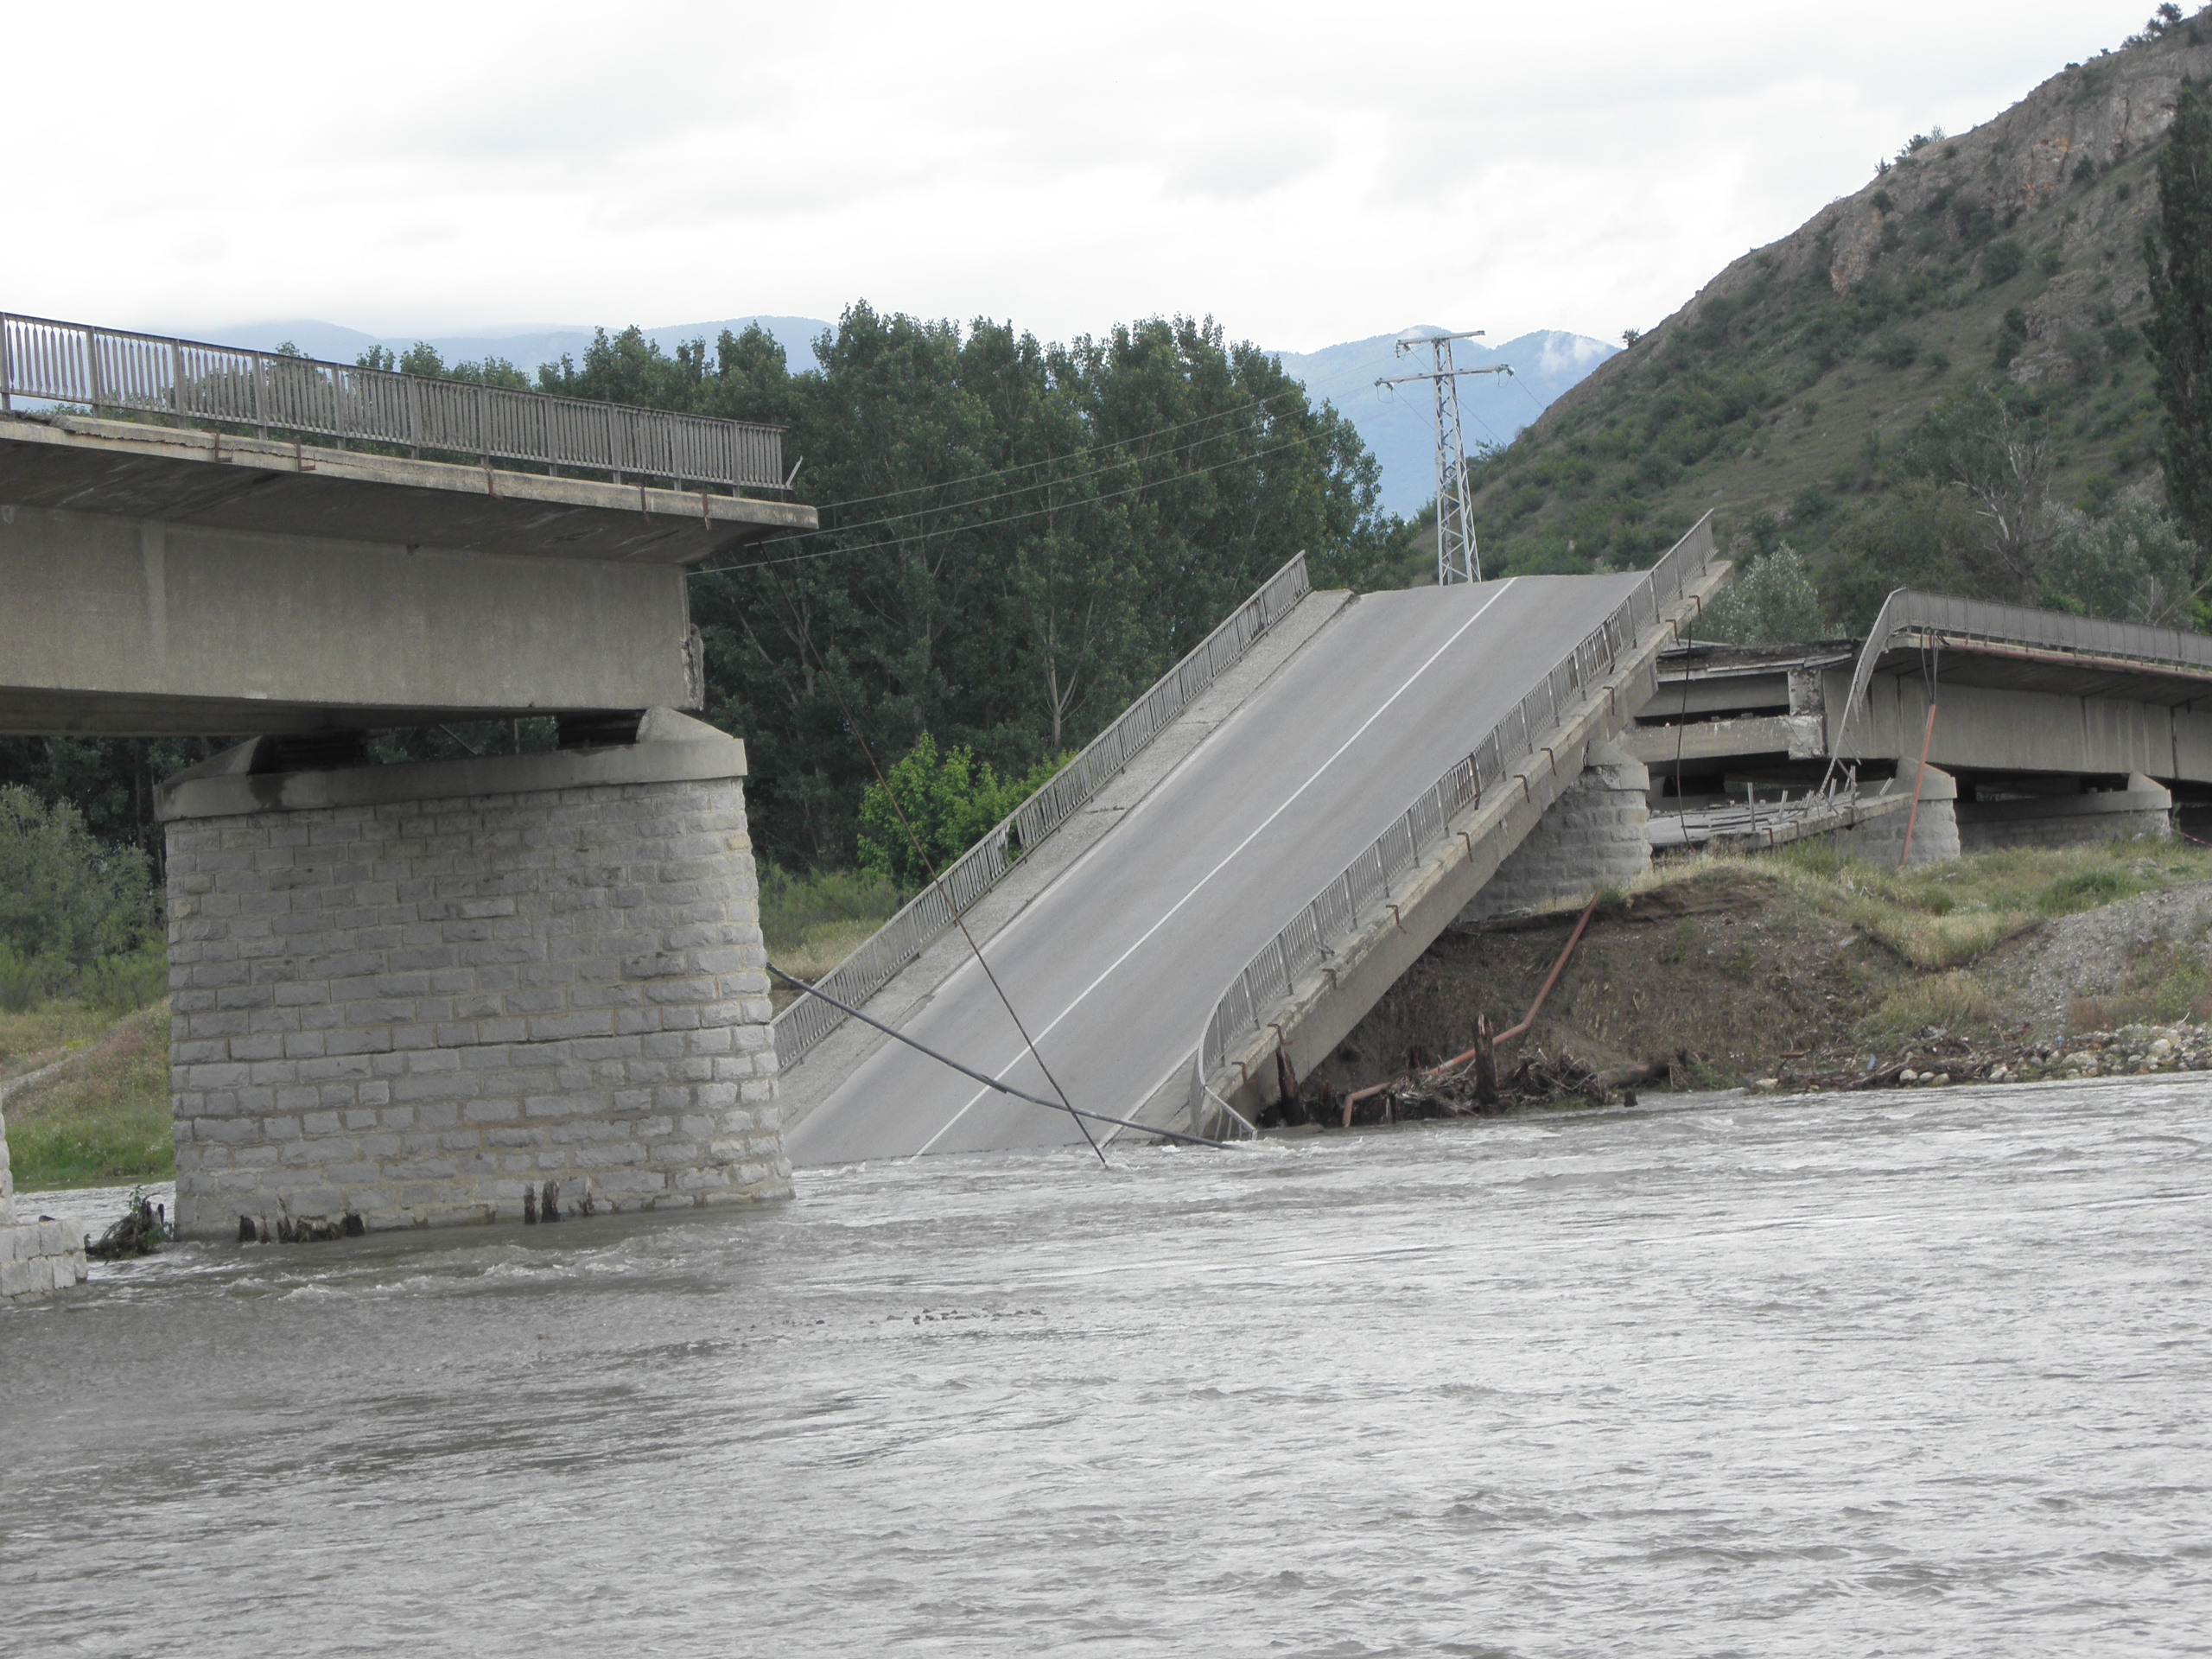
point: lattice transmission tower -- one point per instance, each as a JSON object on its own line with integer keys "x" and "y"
{"x": 1456, "y": 557}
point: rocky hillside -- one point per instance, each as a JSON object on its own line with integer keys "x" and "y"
{"x": 1786, "y": 394}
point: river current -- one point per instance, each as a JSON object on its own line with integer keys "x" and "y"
{"x": 1910, "y": 1373}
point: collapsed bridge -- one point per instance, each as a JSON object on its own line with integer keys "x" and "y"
{"x": 1244, "y": 863}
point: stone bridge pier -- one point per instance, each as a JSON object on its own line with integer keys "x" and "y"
{"x": 427, "y": 994}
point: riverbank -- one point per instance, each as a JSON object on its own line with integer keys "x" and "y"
{"x": 1799, "y": 970}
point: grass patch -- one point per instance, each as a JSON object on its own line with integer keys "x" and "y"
{"x": 1938, "y": 916}
{"x": 1951, "y": 1001}
{"x": 105, "y": 1120}
{"x": 813, "y": 921}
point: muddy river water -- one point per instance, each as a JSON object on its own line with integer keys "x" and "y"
{"x": 1916, "y": 1373}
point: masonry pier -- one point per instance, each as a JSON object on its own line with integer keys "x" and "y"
{"x": 412, "y": 993}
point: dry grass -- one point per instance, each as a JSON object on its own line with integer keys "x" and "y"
{"x": 36, "y": 1037}
{"x": 106, "y": 1119}
{"x": 1940, "y": 917}
{"x": 1952, "y": 1001}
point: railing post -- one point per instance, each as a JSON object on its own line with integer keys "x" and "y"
{"x": 7, "y": 365}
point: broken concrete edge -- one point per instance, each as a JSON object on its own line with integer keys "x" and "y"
{"x": 671, "y": 748}
{"x": 268, "y": 454}
{"x": 1325, "y": 1007}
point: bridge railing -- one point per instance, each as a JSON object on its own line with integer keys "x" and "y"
{"x": 899, "y": 941}
{"x": 193, "y": 382}
{"x": 1359, "y": 895}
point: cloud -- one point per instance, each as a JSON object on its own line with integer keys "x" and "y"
{"x": 1306, "y": 174}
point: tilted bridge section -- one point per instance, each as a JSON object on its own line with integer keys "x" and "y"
{"x": 1289, "y": 819}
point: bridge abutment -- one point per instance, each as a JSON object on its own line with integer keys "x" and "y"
{"x": 2141, "y": 812}
{"x": 1592, "y": 836}
{"x": 414, "y": 994}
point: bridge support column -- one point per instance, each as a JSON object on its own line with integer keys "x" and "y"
{"x": 35, "y": 1256}
{"x": 1935, "y": 831}
{"x": 415, "y": 993}
{"x": 1592, "y": 836}
{"x": 2142, "y": 812}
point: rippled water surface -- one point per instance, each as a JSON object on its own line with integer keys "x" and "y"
{"x": 1915, "y": 1374}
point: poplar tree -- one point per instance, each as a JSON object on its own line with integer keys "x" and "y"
{"x": 2178, "y": 254}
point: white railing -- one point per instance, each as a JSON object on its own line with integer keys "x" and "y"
{"x": 190, "y": 381}
{"x": 905, "y": 936}
{"x": 1359, "y": 895}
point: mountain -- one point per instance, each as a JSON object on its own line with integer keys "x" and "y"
{"x": 524, "y": 347}
{"x": 1793, "y": 394}
{"x": 1398, "y": 423}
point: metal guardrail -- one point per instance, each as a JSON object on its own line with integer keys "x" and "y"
{"x": 1358, "y": 894}
{"x": 1906, "y": 610}
{"x": 192, "y": 381}
{"x": 894, "y": 945}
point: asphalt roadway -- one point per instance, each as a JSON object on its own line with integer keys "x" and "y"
{"x": 1116, "y": 966}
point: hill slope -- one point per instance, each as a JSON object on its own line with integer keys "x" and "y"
{"x": 2007, "y": 256}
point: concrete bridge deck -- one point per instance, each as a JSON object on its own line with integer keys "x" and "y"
{"x": 162, "y": 580}
{"x": 1115, "y": 964}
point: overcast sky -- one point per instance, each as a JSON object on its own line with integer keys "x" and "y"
{"x": 1307, "y": 174}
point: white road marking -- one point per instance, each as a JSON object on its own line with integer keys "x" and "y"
{"x": 1227, "y": 858}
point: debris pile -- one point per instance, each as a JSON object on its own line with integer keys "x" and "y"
{"x": 1938, "y": 1057}
{"x": 144, "y": 1229}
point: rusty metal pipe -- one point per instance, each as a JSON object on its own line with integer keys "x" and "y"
{"x": 1520, "y": 1030}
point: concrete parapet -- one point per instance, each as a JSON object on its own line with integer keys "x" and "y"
{"x": 1935, "y": 828}
{"x": 2142, "y": 812}
{"x": 414, "y": 994}
{"x": 1593, "y": 835}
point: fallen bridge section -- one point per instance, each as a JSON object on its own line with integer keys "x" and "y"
{"x": 1112, "y": 965}
{"x": 1331, "y": 959}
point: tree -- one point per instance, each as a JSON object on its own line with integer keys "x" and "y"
{"x": 944, "y": 799}
{"x": 1773, "y": 602}
{"x": 1990, "y": 443}
{"x": 2178, "y": 256}
{"x": 2133, "y": 565}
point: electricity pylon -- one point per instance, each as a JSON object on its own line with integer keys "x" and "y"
{"x": 1456, "y": 557}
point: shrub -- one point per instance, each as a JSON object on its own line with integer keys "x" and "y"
{"x": 2001, "y": 261}
{"x": 948, "y": 800}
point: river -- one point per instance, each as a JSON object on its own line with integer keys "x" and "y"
{"x": 1909, "y": 1373}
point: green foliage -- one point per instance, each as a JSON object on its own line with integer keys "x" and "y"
{"x": 1140, "y": 486}
{"x": 2133, "y": 565}
{"x": 2178, "y": 257}
{"x": 1773, "y": 601}
{"x": 944, "y": 800}
{"x": 65, "y": 901}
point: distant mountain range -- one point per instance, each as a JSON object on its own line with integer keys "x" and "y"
{"x": 1397, "y": 425}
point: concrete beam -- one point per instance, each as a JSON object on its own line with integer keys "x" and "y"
{"x": 1797, "y": 736}
{"x": 144, "y": 625}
